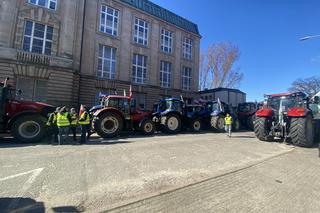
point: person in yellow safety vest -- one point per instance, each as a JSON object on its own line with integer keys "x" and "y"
{"x": 228, "y": 125}
{"x": 63, "y": 123}
{"x": 52, "y": 128}
{"x": 84, "y": 122}
{"x": 74, "y": 123}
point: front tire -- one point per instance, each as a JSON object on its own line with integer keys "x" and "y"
{"x": 261, "y": 128}
{"x": 250, "y": 122}
{"x": 108, "y": 125}
{"x": 28, "y": 129}
{"x": 217, "y": 123}
{"x": 147, "y": 127}
{"x": 196, "y": 125}
{"x": 172, "y": 124}
{"x": 302, "y": 131}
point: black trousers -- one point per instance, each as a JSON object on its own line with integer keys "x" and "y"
{"x": 73, "y": 129}
{"x": 85, "y": 133}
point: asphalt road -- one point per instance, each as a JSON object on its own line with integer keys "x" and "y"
{"x": 183, "y": 173}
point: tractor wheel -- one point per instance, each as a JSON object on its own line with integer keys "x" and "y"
{"x": 28, "y": 129}
{"x": 108, "y": 125}
{"x": 217, "y": 123}
{"x": 147, "y": 127}
{"x": 250, "y": 122}
{"x": 261, "y": 129}
{"x": 236, "y": 126}
{"x": 196, "y": 125}
{"x": 302, "y": 131}
{"x": 172, "y": 124}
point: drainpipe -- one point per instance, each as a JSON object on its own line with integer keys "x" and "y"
{"x": 81, "y": 48}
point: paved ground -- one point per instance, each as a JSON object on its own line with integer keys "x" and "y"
{"x": 184, "y": 173}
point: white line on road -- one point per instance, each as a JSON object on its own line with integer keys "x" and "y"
{"x": 34, "y": 173}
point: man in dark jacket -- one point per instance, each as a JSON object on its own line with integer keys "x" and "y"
{"x": 52, "y": 127}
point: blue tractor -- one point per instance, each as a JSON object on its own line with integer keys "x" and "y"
{"x": 215, "y": 112}
{"x": 171, "y": 115}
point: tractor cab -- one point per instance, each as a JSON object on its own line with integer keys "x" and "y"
{"x": 122, "y": 103}
{"x": 171, "y": 104}
{"x": 283, "y": 102}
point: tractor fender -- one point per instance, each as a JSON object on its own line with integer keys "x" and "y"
{"x": 143, "y": 120}
{"x": 167, "y": 113}
{"x": 264, "y": 113}
{"x": 108, "y": 109}
{"x": 298, "y": 112}
{"x": 21, "y": 114}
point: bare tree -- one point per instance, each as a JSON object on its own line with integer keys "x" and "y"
{"x": 217, "y": 67}
{"x": 310, "y": 86}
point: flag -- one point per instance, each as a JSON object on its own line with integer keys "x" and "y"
{"x": 81, "y": 110}
{"x": 130, "y": 91}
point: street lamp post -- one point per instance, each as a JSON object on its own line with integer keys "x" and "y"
{"x": 309, "y": 37}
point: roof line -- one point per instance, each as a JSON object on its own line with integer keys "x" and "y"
{"x": 164, "y": 14}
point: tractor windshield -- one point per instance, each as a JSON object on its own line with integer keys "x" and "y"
{"x": 244, "y": 108}
{"x": 170, "y": 105}
{"x": 287, "y": 102}
{"x": 213, "y": 106}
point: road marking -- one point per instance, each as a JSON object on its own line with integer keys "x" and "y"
{"x": 34, "y": 173}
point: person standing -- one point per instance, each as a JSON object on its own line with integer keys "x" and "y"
{"x": 52, "y": 126}
{"x": 63, "y": 123}
{"x": 228, "y": 124}
{"x": 84, "y": 122}
{"x": 74, "y": 123}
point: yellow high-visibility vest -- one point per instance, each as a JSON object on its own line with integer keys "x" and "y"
{"x": 84, "y": 119}
{"x": 74, "y": 119}
{"x": 228, "y": 120}
{"x": 62, "y": 120}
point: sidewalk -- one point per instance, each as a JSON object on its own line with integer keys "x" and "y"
{"x": 287, "y": 183}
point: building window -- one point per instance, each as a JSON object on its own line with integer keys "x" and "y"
{"x": 139, "y": 69}
{"x": 165, "y": 74}
{"x": 166, "y": 41}
{"x": 109, "y": 20}
{"x": 141, "y": 30}
{"x": 33, "y": 89}
{"x": 50, "y": 4}
{"x": 37, "y": 38}
{"x": 187, "y": 48}
{"x": 139, "y": 102}
{"x": 107, "y": 62}
{"x": 186, "y": 78}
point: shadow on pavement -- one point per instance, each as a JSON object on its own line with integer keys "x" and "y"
{"x": 28, "y": 205}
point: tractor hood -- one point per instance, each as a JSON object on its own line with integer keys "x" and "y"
{"x": 16, "y": 106}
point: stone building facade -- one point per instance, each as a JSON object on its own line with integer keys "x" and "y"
{"x": 67, "y": 52}
{"x": 40, "y": 46}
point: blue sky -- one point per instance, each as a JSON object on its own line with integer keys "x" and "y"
{"x": 267, "y": 33}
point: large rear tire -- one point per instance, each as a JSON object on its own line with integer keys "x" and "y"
{"x": 217, "y": 123}
{"x": 302, "y": 131}
{"x": 261, "y": 128}
{"x": 28, "y": 129}
{"x": 108, "y": 125}
{"x": 172, "y": 124}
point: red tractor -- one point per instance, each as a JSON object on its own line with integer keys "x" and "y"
{"x": 116, "y": 115}
{"x": 291, "y": 117}
{"x": 247, "y": 114}
{"x": 25, "y": 120}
